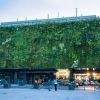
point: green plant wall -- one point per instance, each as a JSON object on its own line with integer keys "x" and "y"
{"x": 51, "y": 45}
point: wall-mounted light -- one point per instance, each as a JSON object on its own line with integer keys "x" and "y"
{"x": 87, "y": 69}
{"x": 94, "y": 74}
{"x": 88, "y": 74}
{"x": 93, "y": 68}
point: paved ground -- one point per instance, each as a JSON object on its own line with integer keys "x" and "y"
{"x": 44, "y": 94}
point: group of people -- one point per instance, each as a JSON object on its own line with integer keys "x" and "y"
{"x": 55, "y": 82}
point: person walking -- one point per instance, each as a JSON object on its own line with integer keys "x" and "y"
{"x": 49, "y": 85}
{"x": 59, "y": 83}
{"x": 55, "y": 84}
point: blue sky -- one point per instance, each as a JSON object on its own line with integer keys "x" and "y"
{"x": 10, "y": 10}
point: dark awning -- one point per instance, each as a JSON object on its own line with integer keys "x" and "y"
{"x": 37, "y": 72}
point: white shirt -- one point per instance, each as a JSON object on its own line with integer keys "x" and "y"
{"x": 55, "y": 81}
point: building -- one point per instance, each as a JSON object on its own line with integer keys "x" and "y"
{"x": 39, "y": 21}
{"x": 13, "y": 75}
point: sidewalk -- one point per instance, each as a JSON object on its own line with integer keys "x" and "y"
{"x": 44, "y": 94}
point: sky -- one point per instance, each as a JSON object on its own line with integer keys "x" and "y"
{"x": 12, "y": 10}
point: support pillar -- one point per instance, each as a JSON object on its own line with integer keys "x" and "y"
{"x": 15, "y": 78}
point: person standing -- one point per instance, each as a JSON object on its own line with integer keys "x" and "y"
{"x": 55, "y": 84}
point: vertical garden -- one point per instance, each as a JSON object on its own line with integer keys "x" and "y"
{"x": 51, "y": 45}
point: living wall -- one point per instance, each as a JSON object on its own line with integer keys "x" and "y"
{"x": 51, "y": 45}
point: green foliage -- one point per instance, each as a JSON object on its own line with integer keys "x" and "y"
{"x": 51, "y": 45}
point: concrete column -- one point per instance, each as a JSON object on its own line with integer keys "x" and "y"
{"x": 15, "y": 78}
{"x": 24, "y": 77}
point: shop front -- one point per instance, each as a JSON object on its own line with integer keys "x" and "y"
{"x": 26, "y": 75}
{"x": 86, "y": 75}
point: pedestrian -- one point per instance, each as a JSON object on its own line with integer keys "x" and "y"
{"x": 55, "y": 84}
{"x": 59, "y": 83}
{"x": 49, "y": 85}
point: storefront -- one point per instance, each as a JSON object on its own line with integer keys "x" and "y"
{"x": 87, "y": 74}
{"x": 27, "y": 75}
{"x": 62, "y": 73}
